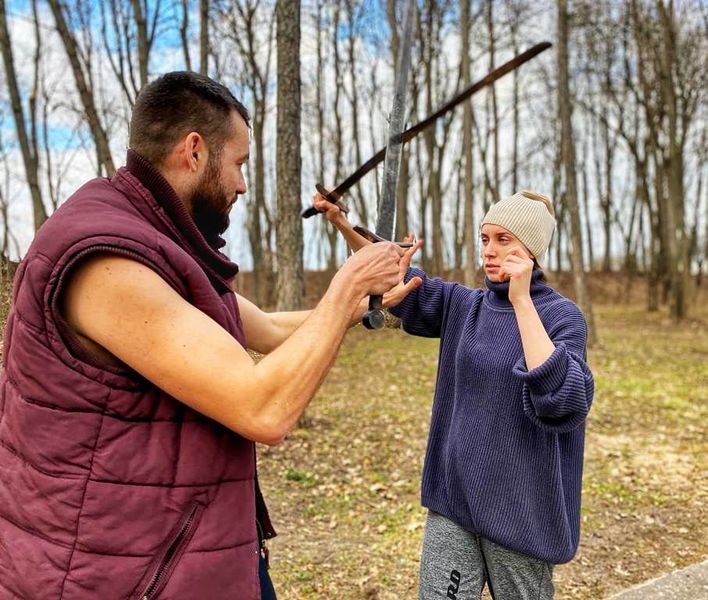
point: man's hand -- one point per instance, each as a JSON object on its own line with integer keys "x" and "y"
{"x": 396, "y": 294}
{"x": 373, "y": 270}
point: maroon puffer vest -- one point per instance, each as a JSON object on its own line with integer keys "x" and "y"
{"x": 109, "y": 487}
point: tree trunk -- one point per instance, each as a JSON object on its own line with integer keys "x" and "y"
{"x": 289, "y": 226}
{"x": 673, "y": 159}
{"x": 333, "y": 234}
{"x": 140, "y": 17}
{"x": 356, "y": 193}
{"x": 183, "y": 34}
{"x": 204, "y": 37}
{"x": 103, "y": 152}
{"x": 256, "y": 238}
{"x": 469, "y": 233}
{"x": 493, "y": 102}
{"x": 29, "y": 154}
{"x": 568, "y": 154}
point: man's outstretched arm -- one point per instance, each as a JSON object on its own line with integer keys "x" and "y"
{"x": 131, "y": 312}
{"x": 265, "y": 331}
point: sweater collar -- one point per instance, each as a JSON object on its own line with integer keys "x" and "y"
{"x": 208, "y": 251}
{"x": 498, "y": 292}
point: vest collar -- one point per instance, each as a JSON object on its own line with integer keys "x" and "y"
{"x": 175, "y": 210}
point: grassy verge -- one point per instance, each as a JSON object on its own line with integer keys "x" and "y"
{"x": 343, "y": 489}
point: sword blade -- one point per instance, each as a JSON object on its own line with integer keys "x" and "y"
{"x": 411, "y": 132}
{"x": 396, "y": 125}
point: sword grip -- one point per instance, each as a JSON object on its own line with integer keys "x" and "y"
{"x": 310, "y": 212}
{"x": 331, "y": 196}
{"x": 374, "y": 317}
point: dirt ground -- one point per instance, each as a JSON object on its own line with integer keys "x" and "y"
{"x": 343, "y": 488}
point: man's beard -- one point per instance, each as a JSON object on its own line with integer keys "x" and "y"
{"x": 210, "y": 207}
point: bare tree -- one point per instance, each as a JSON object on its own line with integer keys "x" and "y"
{"x": 469, "y": 237}
{"x": 493, "y": 111}
{"x": 184, "y": 34}
{"x": 247, "y": 24}
{"x": 82, "y": 79}
{"x": 353, "y": 95}
{"x": 430, "y": 32}
{"x": 28, "y": 142}
{"x": 569, "y": 169}
{"x": 204, "y": 37}
{"x": 8, "y": 236}
{"x": 289, "y": 228}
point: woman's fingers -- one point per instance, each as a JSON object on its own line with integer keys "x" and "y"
{"x": 520, "y": 252}
{"x": 397, "y": 294}
{"x": 408, "y": 256}
{"x": 322, "y": 204}
{"x": 331, "y": 211}
{"x": 412, "y": 250}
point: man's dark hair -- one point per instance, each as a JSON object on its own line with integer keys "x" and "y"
{"x": 175, "y": 104}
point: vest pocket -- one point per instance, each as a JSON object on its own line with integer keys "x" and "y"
{"x": 163, "y": 566}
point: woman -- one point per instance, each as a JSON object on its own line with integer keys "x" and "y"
{"x": 503, "y": 467}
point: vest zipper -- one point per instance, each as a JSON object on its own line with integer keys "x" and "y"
{"x": 262, "y": 544}
{"x": 171, "y": 553}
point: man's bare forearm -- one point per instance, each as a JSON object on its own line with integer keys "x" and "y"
{"x": 285, "y": 323}
{"x": 291, "y": 375}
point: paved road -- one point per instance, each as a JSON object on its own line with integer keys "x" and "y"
{"x": 690, "y": 583}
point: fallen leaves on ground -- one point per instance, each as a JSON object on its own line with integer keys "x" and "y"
{"x": 343, "y": 489}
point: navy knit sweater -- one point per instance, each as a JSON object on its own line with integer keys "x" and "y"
{"x": 505, "y": 451}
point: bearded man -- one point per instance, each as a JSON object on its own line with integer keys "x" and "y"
{"x": 129, "y": 406}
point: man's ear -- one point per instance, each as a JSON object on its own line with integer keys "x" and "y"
{"x": 195, "y": 151}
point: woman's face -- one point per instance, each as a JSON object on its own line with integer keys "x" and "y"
{"x": 496, "y": 244}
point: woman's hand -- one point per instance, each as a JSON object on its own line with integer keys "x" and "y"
{"x": 396, "y": 295}
{"x": 334, "y": 215}
{"x": 330, "y": 211}
{"x": 517, "y": 267}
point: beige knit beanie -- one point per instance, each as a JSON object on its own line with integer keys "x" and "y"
{"x": 529, "y": 216}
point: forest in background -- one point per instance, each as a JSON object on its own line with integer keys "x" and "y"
{"x": 611, "y": 123}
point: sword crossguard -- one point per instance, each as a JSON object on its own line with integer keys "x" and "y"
{"x": 373, "y": 238}
{"x": 332, "y": 196}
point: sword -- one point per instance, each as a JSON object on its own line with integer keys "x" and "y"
{"x": 336, "y": 194}
{"x": 374, "y": 317}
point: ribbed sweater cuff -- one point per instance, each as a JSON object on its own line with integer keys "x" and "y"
{"x": 549, "y": 376}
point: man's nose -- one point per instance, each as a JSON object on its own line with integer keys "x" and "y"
{"x": 241, "y": 187}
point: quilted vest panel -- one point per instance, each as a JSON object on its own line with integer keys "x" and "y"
{"x": 109, "y": 487}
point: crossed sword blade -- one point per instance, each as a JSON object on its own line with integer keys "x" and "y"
{"x": 335, "y": 195}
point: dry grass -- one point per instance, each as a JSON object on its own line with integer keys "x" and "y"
{"x": 343, "y": 489}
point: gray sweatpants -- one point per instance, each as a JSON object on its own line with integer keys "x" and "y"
{"x": 456, "y": 564}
